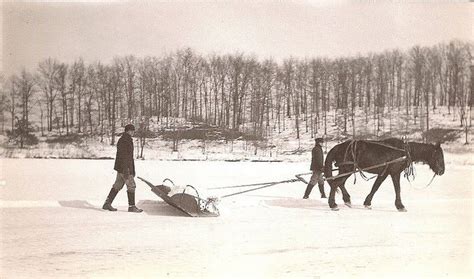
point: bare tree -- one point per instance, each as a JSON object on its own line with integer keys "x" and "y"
{"x": 128, "y": 66}
{"x": 13, "y": 98}
{"x": 60, "y": 84}
{"x": 48, "y": 71}
{"x": 113, "y": 92}
{"x": 240, "y": 71}
{"x": 77, "y": 84}
{"x": 4, "y": 100}
{"x": 91, "y": 89}
{"x": 25, "y": 83}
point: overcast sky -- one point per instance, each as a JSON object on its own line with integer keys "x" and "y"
{"x": 278, "y": 29}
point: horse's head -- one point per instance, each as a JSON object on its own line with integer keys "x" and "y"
{"x": 436, "y": 162}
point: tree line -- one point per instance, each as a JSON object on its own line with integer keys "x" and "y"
{"x": 239, "y": 92}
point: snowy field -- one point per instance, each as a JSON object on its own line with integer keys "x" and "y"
{"x": 52, "y": 225}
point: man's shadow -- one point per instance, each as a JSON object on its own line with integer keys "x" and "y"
{"x": 150, "y": 207}
{"x": 79, "y": 204}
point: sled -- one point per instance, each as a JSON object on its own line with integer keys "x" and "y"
{"x": 190, "y": 205}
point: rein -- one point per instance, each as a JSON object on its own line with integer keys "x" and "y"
{"x": 422, "y": 188}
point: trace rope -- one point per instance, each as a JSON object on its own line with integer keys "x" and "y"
{"x": 265, "y": 185}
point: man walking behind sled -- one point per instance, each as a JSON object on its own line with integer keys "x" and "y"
{"x": 317, "y": 166}
{"x": 125, "y": 168}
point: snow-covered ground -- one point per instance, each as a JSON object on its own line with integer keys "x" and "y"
{"x": 52, "y": 225}
{"x": 281, "y": 144}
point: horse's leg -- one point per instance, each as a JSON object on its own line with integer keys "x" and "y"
{"x": 332, "y": 196}
{"x": 345, "y": 195}
{"x": 398, "y": 199}
{"x": 375, "y": 187}
{"x": 336, "y": 183}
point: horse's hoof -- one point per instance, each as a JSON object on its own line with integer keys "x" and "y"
{"x": 348, "y": 204}
{"x": 334, "y": 208}
{"x": 403, "y": 209}
{"x": 368, "y": 207}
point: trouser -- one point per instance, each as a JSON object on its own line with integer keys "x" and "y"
{"x": 122, "y": 179}
{"x": 316, "y": 177}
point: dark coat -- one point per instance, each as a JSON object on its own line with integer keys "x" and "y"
{"x": 317, "y": 160}
{"x": 124, "y": 158}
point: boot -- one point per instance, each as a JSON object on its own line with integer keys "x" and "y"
{"x": 110, "y": 198}
{"x": 321, "y": 190}
{"x": 308, "y": 191}
{"x": 131, "y": 203}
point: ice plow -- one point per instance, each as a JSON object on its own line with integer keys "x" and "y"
{"x": 180, "y": 198}
{"x": 194, "y": 205}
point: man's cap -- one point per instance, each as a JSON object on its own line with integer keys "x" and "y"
{"x": 318, "y": 140}
{"x": 129, "y": 127}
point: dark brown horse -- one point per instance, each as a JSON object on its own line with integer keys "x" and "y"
{"x": 353, "y": 155}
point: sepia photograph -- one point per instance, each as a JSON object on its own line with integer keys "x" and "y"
{"x": 236, "y": 139}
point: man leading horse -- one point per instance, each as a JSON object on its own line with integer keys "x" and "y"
{"x": 317, "y": 167}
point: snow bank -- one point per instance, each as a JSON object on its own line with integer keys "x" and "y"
{"x": 193, "y": 150}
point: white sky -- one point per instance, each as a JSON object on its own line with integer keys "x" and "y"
{"x": 278, "y": 29}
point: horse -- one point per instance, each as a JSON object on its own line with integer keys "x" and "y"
{"x": 383, "y": 158}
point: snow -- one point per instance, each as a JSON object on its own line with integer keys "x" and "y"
{"x": 157, "y": 149}
{"x": 285, "y": 145}
{"x": 52, "y": 224}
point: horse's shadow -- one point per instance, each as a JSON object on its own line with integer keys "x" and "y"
{"x": 297, "y": 203}
{"x": 314, "y": 204}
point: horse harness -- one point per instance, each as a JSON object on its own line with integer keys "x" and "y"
{"x": 351, "y": 152}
